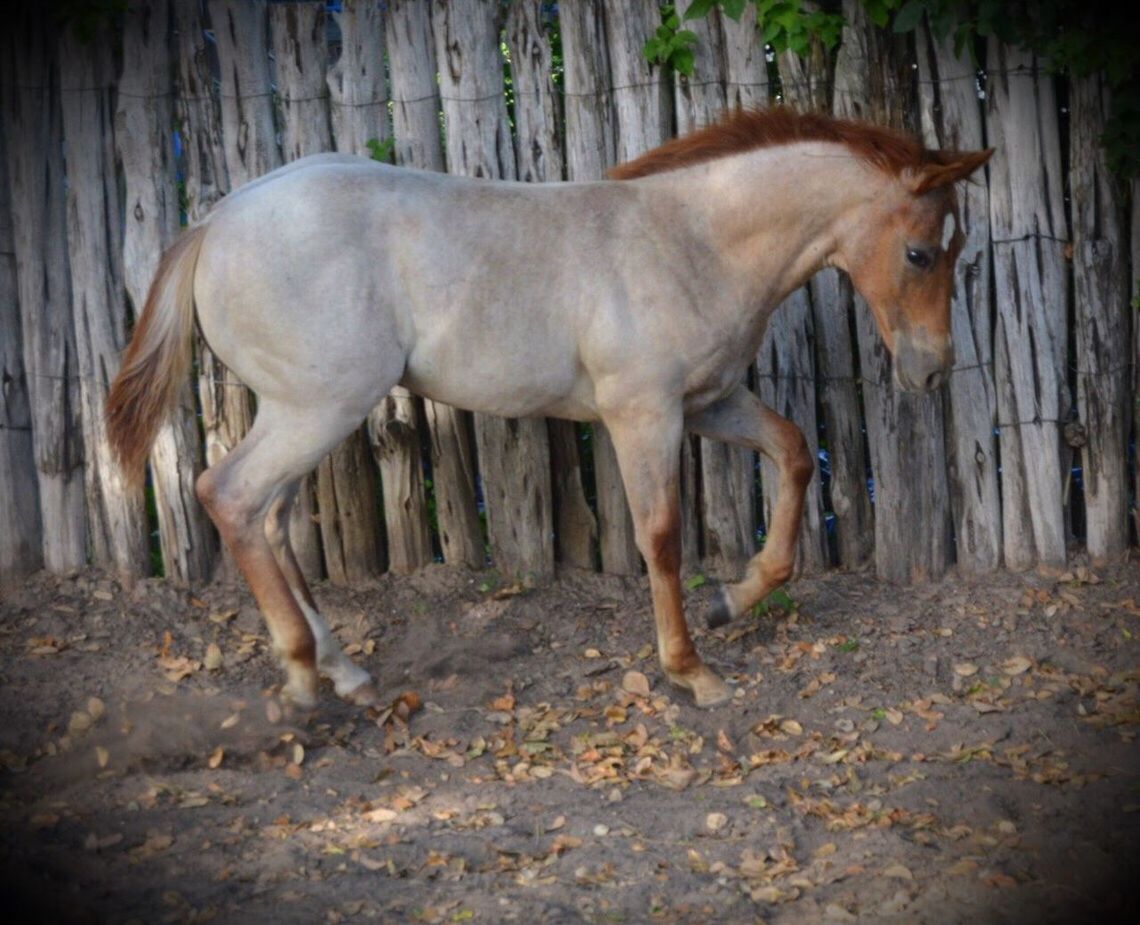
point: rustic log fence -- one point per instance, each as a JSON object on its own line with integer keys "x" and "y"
{"x": 101, "y": 151}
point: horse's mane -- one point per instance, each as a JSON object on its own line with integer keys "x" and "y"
{"x": 889, "y": 150}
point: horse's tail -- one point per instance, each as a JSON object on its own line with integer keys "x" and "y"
{"x": 157, "y": 360}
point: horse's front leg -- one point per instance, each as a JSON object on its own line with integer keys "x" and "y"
{"x": 648, "y": 448}
{"x": 741, "y": 418}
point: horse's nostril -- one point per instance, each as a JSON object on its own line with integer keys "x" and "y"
{"x": 934, "y": 380}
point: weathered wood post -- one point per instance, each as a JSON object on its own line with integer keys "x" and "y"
{"x": 632, "y": 97}
{"x": 952, "y": 119}
{"x": 198, "y": 114}
{"x": 415, "y": 121}
{"x": 1031, "y": 287}
{"x": 359, "y": 97}
{"x": 590, "y": 149}
{"x": 1134, "y": 305}
{"x": 348, "y": 515}
{"x": 514, "y": 455}
{"x": 726, "y": 501}
{"x": 538, "y": 137}
{"x": 32, "y": 127}
{"x": 906, "y": 432}
{"x": 745, "y": 68}
{"x": 358, "y": 86}
{"x": 143, "y": 136}
{"x": 806, "y": 82}
{"x": 21, "y": 534}
{"x": 785, "y": 363}
{"x": 116, "y": 511}
{"x": 229, "y": 137}
{"x": 1101, "y": 318}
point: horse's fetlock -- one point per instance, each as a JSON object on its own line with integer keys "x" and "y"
{"x": 301, "y": 650}
{"x": 681, "y": 663}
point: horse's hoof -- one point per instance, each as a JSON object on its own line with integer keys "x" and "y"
{"x": 363, "y": 696}
{"x": 707, "y": 689}
{"x": 720, "y": 609}
{"x": 286, "y": 710}
{"x": 300, "y": 694}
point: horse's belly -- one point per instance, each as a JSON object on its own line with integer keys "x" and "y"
{"x": 506, "y": 386}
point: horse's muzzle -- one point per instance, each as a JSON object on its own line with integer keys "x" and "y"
{"x": 921, "y": 367}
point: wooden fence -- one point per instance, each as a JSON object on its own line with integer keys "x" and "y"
{"x": 1025, "y": 451}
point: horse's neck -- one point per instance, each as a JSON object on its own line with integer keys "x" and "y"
{"x": 775, "y": 214}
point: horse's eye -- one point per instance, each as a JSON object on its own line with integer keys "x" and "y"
{"x": 919, "y": 258}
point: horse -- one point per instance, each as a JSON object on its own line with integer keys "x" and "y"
{"x": 637, "y": 301}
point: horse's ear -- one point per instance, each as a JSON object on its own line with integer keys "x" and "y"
{"x": 950, "y": 167}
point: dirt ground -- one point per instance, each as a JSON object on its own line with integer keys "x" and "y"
{"x": 963, "y": 752}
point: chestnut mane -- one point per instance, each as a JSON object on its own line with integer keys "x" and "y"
{"x": 889, "y": 150}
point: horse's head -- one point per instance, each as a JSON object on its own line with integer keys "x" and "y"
{"x": 900, "y": 249}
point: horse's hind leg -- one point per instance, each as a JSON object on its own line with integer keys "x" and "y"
{"x": 238, "y": 493}
{"x": 349, "y": 680}
{"x": 741, "y": 418}
{"x": 648, "y": 448}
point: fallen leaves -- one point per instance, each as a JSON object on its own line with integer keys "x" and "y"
{"x": 817, "y": 683}
{"x": 213, "y": 660}
{"x": 1016, "y": 665}
{"x": 395, "y": 716}
{"x": 156, "y": 843}
{"x": 778, "y": 727}
{"x": 634, "y": 682}
{"x": 898, "y": 872}
{"x": 714, "y": 822}
{"x": 45, "y": 645}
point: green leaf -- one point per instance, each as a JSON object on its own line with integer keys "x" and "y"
{"x": 733, "y": 9}
{"x": 878, "y": 11}
{"x": 381, "y": 150}
{"x": 682, "y": 61}
{"x": 652, "y": 52}
{"x": 697, "y": 581}
{"x": 780, "y": 598}
{"x": 701, "y": 8}
{"x": 909, "y": 16}
{"x": 789, "y": 18}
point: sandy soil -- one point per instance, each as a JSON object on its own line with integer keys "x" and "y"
{"x": 959, "y": 752}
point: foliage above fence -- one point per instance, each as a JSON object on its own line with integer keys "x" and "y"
{"x": 1046, "y": 354}
{"x": 1073, "y": 36}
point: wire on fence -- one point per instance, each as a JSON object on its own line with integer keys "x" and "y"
{"x": 660, "y": 82}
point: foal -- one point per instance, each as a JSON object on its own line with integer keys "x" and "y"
{"x": 637, "y": 303}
